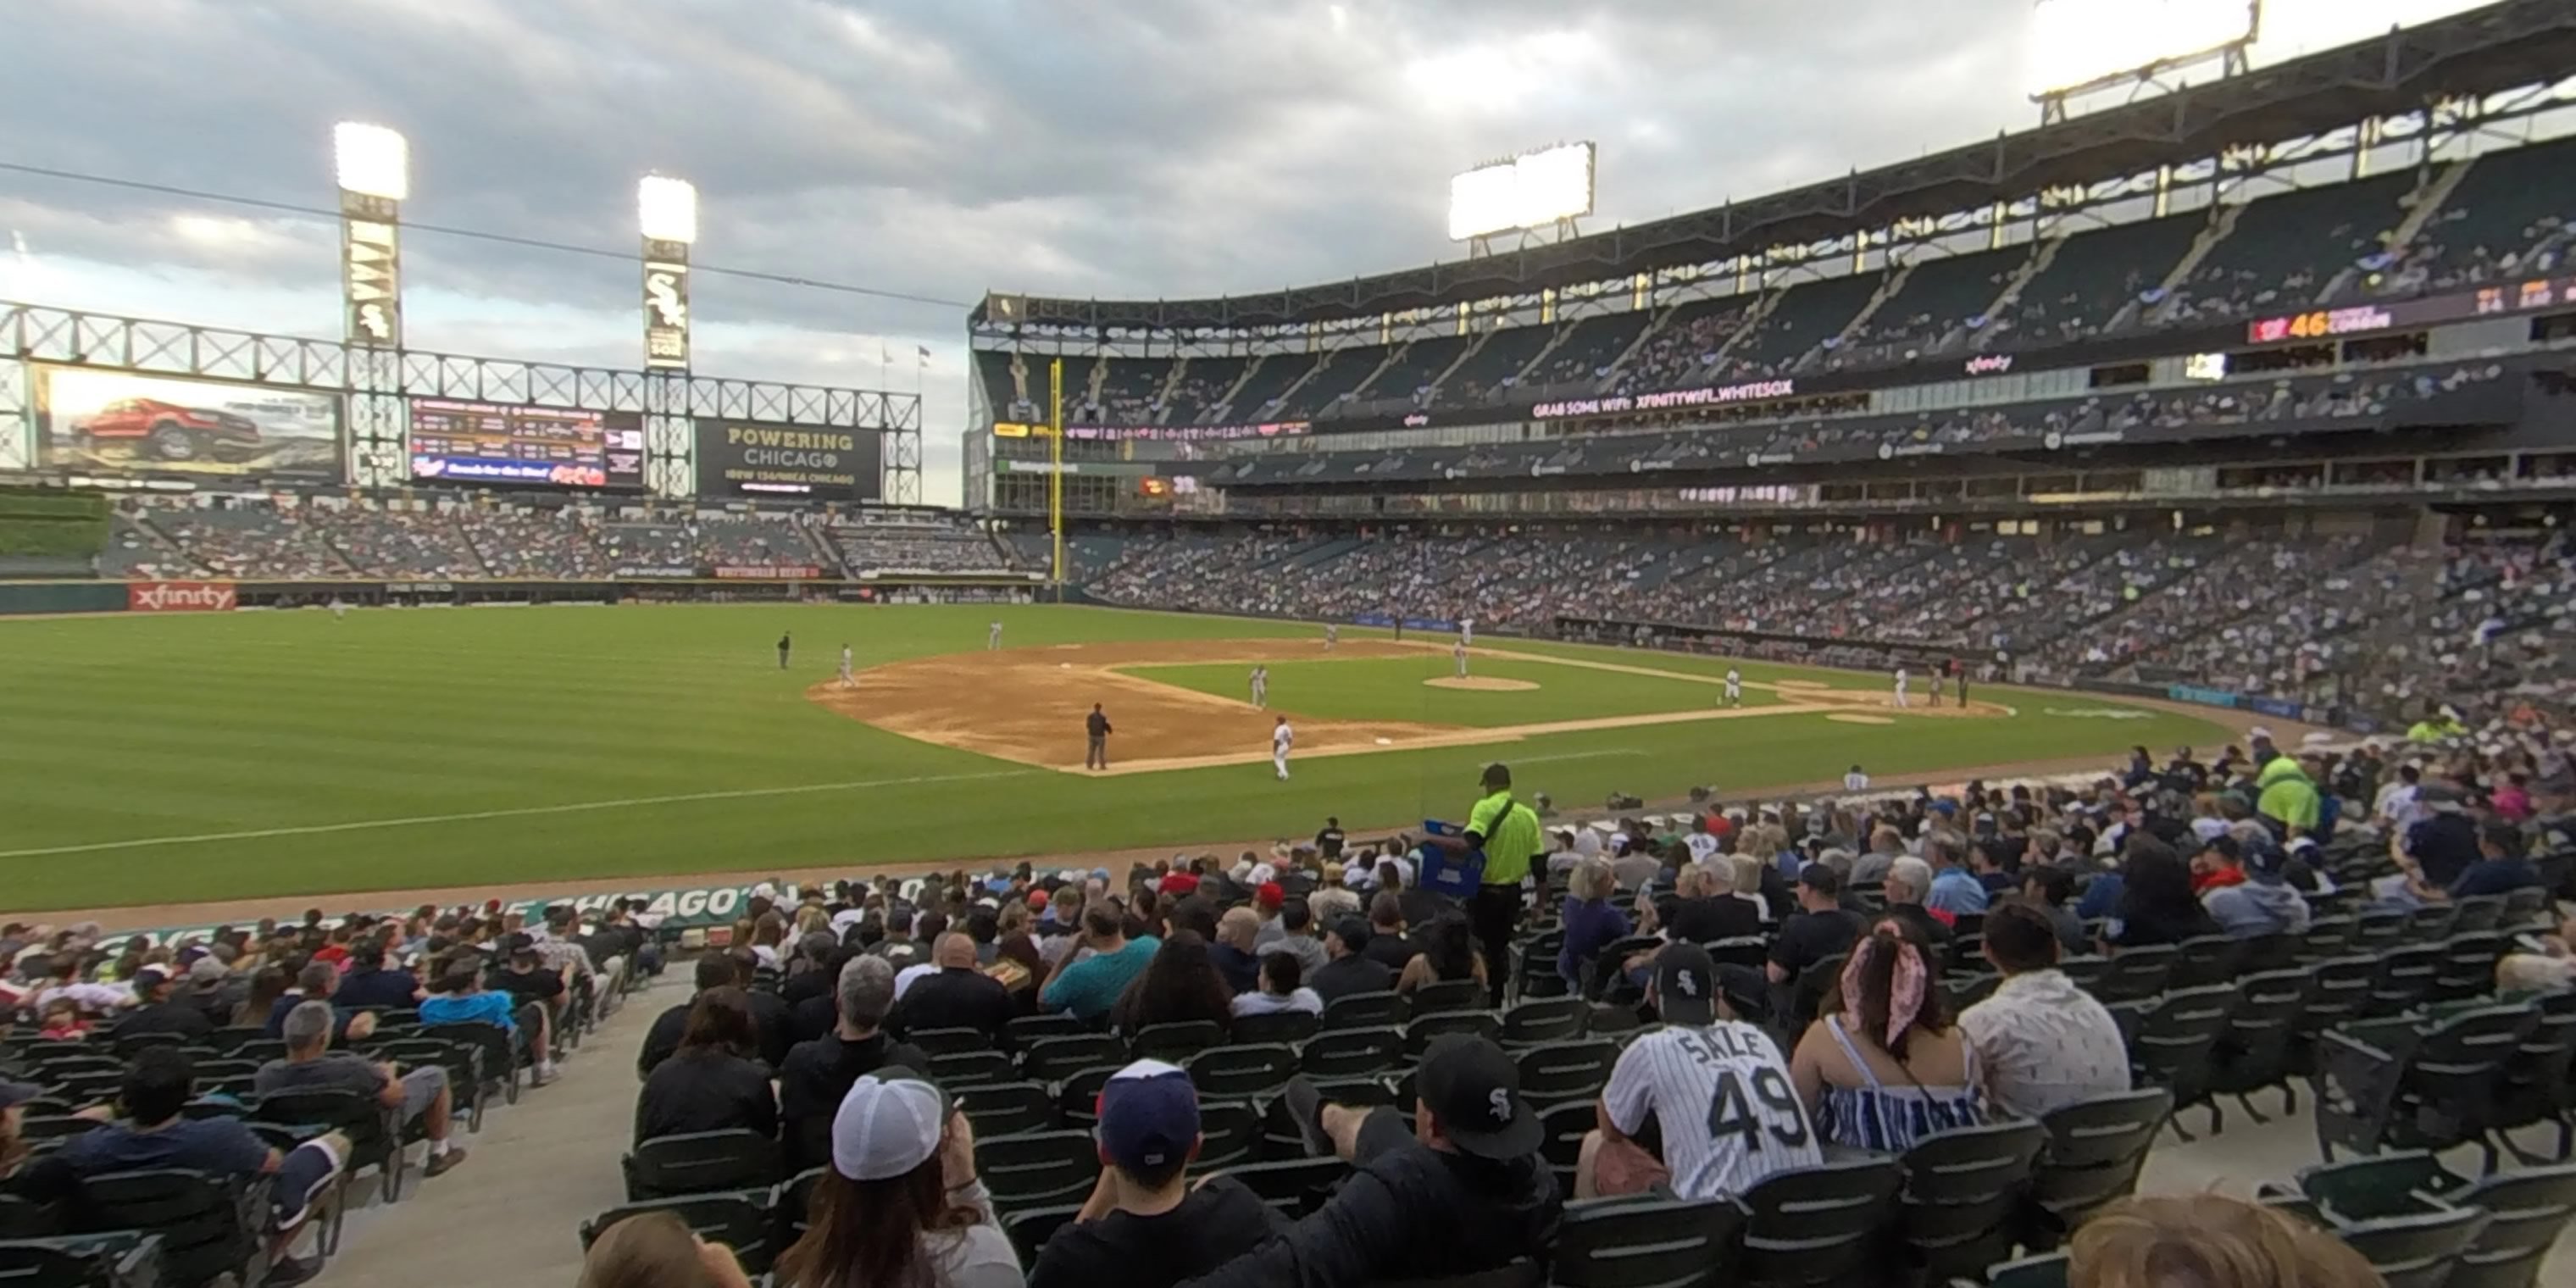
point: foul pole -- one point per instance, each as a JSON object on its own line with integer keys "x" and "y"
{"x": 1055, "y": 473}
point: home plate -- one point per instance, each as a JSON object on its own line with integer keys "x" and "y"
{"x": 1869, "y": 720}
{"x": 1386, "y": 742}
{"x": 1064, "y": 666}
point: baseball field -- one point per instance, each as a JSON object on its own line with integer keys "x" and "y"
{"x": 171, "y": 759}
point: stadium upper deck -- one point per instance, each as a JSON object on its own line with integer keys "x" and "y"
{"x": 2160, "y": 228}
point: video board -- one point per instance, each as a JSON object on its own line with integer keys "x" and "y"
{"x": 497, "y": 443}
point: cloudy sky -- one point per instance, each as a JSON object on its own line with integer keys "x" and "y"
{"x": 934, "y": 148}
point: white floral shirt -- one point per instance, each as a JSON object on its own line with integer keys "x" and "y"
{"x": 2044, "y": 1044}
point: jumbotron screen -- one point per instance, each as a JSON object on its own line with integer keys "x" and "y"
{"x": 468, "y": 442}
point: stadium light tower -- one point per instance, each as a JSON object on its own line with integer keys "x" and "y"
{"x": 374, "y": 168}
{"x": 666, "y": 210}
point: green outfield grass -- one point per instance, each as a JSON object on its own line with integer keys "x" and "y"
{"x": 1394, "y": 689}
{"x": 159, "y": 759}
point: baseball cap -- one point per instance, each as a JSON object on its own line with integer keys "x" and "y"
{"x": 1821, "y": 879}
{"x": 2225, "y": 847}
{"x": 14, "y": 1094}
{"x": 148, "y": 979}
{"x": 519, "y": 942}
{"x": 886, "y": 1127}
{"x": 1685, "y": 984}
{"x": 207, "y": 970}
{"x": 1475, "y": 1091}
{"x": 1037, "y": 900}
{"x": 1270, "y": 895}
{"x": 2438, "y": 797}
{"x": 1149, "y": 1116}
{"x": 1353, "y": 931}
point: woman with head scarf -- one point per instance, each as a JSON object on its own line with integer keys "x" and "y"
{"x": 1883, "y": 1067}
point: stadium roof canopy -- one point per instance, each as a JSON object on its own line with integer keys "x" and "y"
{"x": 2483, "y": 51}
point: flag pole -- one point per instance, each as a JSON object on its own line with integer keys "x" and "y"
{"x": 1055, "y": 471}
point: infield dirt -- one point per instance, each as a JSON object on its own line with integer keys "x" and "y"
{"x": 1028, "y": 705}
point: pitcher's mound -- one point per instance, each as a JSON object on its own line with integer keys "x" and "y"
{"x": 1848, "y": 718}
{"x": 1482, "y": 683}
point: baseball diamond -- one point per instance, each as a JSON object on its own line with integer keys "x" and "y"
{"x": 666, "y": 741}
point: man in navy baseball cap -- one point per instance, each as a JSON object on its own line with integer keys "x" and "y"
{"x": 1463, "y": 1192}
{"x": 1145, "y": 1224}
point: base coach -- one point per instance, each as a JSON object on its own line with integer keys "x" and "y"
{"x": 1095, "y": 729}
{"x": 1507, "y": 831}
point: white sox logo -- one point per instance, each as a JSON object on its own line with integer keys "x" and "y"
{"x": 1500, "y": 1101}
{"x": 179, "y": 597}
{"x": 662, "y": 295}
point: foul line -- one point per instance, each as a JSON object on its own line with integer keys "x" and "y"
{"x": 529, "y": 811}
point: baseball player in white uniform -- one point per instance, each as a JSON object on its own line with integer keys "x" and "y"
{"x": 1458, "y": 654}
{"x": 1466, "y": 630}
{"x": 1734, "y": 687}
{"x": 1900, "y": 687}
{"x": 1716, "y": 1086}
{"x": 992, "y": 637}
{"x": 1281, "y": 739}
{"x": 1332, "y": 636}
{"x": 1261, "y": 686}
{"x": 1856, "y": 781}
{"x": 848, "y": 681}
{"x": 339, "y": 608}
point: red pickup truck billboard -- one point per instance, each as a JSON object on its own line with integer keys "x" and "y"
{"x": 179, "y": 597}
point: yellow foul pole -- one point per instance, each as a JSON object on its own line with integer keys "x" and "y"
{"x": 1055, "y": 471}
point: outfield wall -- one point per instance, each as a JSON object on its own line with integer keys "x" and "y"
{"x": 22, "y": 598}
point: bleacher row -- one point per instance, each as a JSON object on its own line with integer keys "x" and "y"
{"x": 259, "y": 540}
{"x": 2388, "y": 1020}
{"x": 2079, "y": 280}
{"x": 178, "y": 1228}
{"x": 2388, "y": 626}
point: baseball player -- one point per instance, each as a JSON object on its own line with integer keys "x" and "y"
{"x": 1734, "y": 687}
{"x": 992, "y": 637}
{"x": 1332, "y": 636}
{"x": 1281, "y": 739}
{"x": 1260, "y": 686}
{"x": 847, "y": 680}
{"x": 1856, "y": 781}
{"x": 1936, "y": 686}
{"x": 1900, "y": 688}
{"x": 339, "y": 608}
{"x": 784, "y": 643}
{"x": 1458, "y": 654}
{"x": 1466, "y": 630}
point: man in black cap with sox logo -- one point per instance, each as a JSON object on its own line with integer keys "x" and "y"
{"x": 1464, "y": 1191}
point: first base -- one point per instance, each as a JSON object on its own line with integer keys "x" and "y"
{"x": 1386, "y": 742}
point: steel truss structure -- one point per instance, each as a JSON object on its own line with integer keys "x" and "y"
{"x": 377, "y": 381}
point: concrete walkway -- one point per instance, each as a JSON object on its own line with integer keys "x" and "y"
{"x": 511, "y": 1215}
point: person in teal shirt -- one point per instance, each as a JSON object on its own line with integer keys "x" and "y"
{"x": 1089, "y": 987}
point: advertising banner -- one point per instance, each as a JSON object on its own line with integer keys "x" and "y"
{"x": 180, "y": 597}
{"x": 776, "y": 572}
{"x": 755, "y": 459}
{"x": 133, "y": 423}
{"x": 2205, "y": 697}
{"x": 534, "y": 446}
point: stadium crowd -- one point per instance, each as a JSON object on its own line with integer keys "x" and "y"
{"x": 1880, "y": 978}
{"x": 276, "y": 1060}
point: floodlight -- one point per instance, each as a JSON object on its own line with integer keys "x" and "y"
{"x": 373, "y": 161}
{"x": 667, "y": 208}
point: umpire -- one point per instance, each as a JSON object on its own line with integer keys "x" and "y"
{"x": 1095, "y": 728}
{"x": 1507, "y": 831}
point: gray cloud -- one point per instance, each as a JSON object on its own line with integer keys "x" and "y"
{"x": 946, "y": 147}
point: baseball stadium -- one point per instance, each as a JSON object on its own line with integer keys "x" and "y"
{"x": 2006, "y": 718}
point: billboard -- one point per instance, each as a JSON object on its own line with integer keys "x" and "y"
{"x": 128, "y": 422}
{"x": 1533, "y": 190}
{"x": 754, "y": 459}
{"x": 486, "y": 443}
